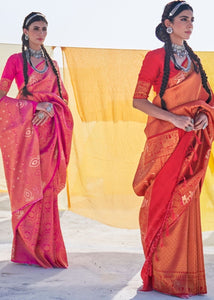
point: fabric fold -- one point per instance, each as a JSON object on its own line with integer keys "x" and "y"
{"x": 35, "y": 160}
{"x": 170, "y": 174}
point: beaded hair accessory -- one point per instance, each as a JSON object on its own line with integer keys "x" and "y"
{"x": 173, "y": 11}
{"x": 30, "y": 18}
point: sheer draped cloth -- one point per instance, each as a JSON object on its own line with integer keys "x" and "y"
{"x": 35, "y": 160}
{"x": 170, "y": 175}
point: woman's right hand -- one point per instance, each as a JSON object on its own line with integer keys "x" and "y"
{"x": 183, "y": 122}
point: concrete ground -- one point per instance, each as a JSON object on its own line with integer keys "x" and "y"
{"x": 104, "y": 263}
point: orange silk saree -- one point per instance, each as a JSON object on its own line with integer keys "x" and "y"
{"x": 170, "y": 175}
{"x": 35, "y": 160}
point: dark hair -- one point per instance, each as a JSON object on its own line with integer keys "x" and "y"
{"x": 29, "y": 19}
{"x": 163, "y": 36}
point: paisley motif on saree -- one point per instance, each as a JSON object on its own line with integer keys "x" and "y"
{"x": 35, "y": 160}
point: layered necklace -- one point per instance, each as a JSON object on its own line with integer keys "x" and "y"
{"x": 181, "y": 52}
{"x": 37, "y": 54}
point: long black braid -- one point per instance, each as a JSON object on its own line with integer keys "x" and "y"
{"x": 164, "y": 37}
{"x": 33, "y": 17}
{"x": 203, "y": 74}
{"x": 25, "y": 46}
{"x": 54, "y": 70}
{"x": 166, "y": 73}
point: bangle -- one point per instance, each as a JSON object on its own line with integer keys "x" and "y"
{"x": 49, "y": 107}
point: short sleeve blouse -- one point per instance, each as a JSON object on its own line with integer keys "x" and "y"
{"x": 12, "y": 70}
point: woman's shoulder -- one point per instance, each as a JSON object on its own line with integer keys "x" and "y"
{"x": 15, "y": 57}
{"x": 55, "y": 63}
{"x": 154, "y": 59}
{"x": 156, "y": 53}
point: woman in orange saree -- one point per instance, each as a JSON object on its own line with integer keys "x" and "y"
{"x": 172, "y": 167}
{"x": 35, "y": 139}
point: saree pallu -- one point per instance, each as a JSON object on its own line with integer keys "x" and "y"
{"x": 35, "y": 160}
{"x": 170, "y": 175}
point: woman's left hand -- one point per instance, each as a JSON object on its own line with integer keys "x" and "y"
{"x": 47, "y": 107}
{"x": 40, "y": 117}
{"x": 201, "y": 121}
{"x": 44, "y": 111}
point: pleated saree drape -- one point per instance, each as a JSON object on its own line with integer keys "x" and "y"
{"x": 170, "y": 175}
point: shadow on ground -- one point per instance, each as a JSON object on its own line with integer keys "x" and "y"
{"x": 89, "y": 276}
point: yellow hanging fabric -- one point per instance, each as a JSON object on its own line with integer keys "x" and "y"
{"x": 109, "y": 135}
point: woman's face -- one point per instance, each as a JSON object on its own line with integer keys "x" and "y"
{"x": 36, "y": 32}
{"x": 182, "y": 26}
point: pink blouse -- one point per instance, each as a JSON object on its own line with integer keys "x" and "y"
{"x": 13, "y": 69}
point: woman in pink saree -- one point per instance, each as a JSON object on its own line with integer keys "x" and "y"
{"x": 35, "y": 139}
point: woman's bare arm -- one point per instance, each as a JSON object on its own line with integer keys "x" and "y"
{"x": 152, "y": 110}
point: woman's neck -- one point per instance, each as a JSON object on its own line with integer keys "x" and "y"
{"x": 34, "y": 47}
{"x": 176, "y": 41}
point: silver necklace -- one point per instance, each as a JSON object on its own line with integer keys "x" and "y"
{"x": 179, "y": 50}
{"x": 36, "y": 53}
{"x": 180, "y": 67}
{"x": 28, "y": 55}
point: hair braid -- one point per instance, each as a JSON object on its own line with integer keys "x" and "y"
{"x": 25, "y": 91}
{"x": 54, "y": 70}
{"x": 195, "y": 58}
{"x": 163, "y": 36}
{"x": 29, "y": 19}
{"x": 165, "y": 73}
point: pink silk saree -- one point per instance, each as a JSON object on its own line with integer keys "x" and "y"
{"x": 35, "y": 160}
